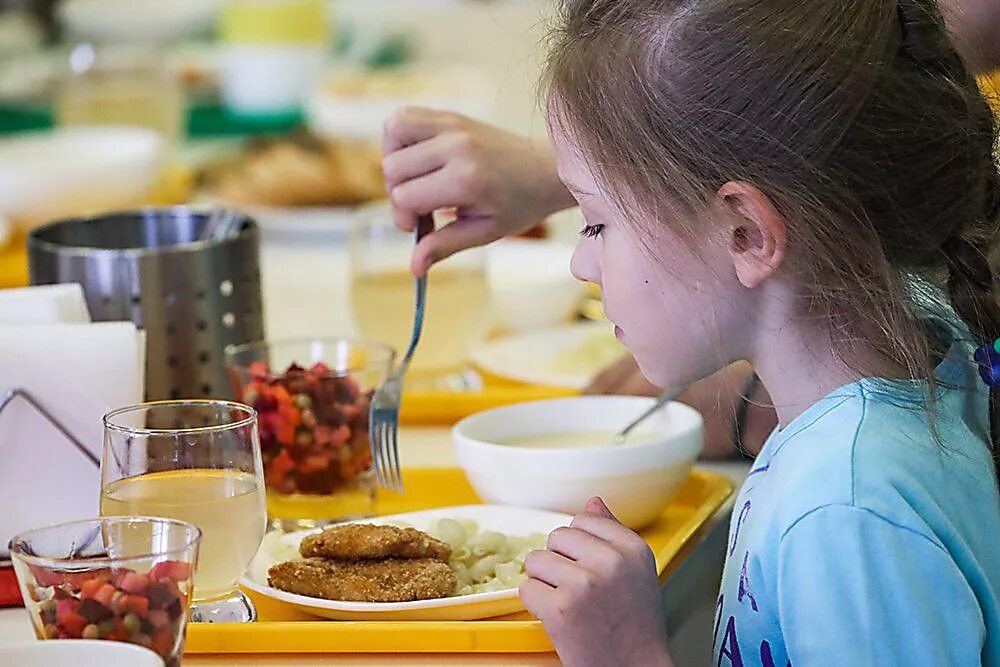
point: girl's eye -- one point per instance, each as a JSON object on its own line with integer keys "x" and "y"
{"x": 592, "y": 231}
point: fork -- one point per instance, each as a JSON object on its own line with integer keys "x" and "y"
{"x": 383, "y": 416}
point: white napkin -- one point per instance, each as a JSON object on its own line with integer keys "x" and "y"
{"x": 44, "y": 304}
{"x": 78, "y": 372}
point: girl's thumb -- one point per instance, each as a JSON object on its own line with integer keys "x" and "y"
{"x": 597, "y": 506}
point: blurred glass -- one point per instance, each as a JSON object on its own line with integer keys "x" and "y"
{"x": 382, "y": 296}
{"x": 120, "y": 85}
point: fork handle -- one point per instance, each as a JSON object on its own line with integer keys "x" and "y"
{"x": 425, "y": 225}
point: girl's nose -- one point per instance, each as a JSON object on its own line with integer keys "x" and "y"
{"x": 585, "y": 264}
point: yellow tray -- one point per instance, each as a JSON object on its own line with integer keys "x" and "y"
{"x": 14, "y": 263}
{"x": 425, "y": 408}
{"x": 283, "y": 629}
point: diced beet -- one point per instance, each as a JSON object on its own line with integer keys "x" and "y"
{"x": 174, "y": 570}
{"x": 105, "y": 594}
{"x": 133, "y": 583}
{"x": 163, "y": 643}
{"x": 159, "y": 618}
{"x": 138, "y": 605}
{"x": 90, "y": 588}
{"x": 94, "y": 611}
{"x": 65, "y": 607}
{"x": 72, "y": 624}
{"x": 174, "y": 609}
{"x": 160, "y": 595}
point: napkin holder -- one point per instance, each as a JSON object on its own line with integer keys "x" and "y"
{"x": 37, "y": 407}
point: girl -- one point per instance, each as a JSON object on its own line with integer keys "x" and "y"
{"x": 809, "y": 186}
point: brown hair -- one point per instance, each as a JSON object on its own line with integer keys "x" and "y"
{"x": 858, "y": 119}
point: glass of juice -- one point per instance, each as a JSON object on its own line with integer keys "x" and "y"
{"x": 125, "y": 579}
{"x": 312, "y": 398}
{"x": 382, "y": 300}
{"x": 196, "y": 461}
{"x": 120, "y": 84}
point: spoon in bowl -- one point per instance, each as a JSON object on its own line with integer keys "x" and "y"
{"x": 665, "y": 397}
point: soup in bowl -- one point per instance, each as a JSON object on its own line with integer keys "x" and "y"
{"x": 556, "y": 454}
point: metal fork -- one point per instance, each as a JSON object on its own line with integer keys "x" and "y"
{"x": 383, "y": 417}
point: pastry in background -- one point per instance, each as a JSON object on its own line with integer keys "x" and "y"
{"x": 301, "y": 170}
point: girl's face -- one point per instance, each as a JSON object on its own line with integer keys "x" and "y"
{"x": 675, "y": 307}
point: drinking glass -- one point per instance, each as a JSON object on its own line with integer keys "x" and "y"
{"x": 382, "y": 299}
{"x": 312, "y": 399}
{"x": 120, "y": 579}
{"x": 120, "y": 85}
{"x": 196, "y": 461}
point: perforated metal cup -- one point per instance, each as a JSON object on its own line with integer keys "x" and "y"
{"x": 193, "y": 297}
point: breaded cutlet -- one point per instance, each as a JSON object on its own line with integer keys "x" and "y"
{"x": 358, "y": 541}
{"x": 389, "y": 580}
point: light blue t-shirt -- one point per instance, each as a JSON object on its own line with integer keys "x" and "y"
{"x": 860, "y": 539}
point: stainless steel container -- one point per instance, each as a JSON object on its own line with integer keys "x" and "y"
{"x": 193, "y": 297}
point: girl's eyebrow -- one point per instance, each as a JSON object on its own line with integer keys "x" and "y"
{"x": 577, "y": 190}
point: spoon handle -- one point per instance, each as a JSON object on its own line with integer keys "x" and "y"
{"x": 665, "y": 397}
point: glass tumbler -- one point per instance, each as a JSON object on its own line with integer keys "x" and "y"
{"x": 122, "y": 579}
{"x": 196, "y": 461}
{"x": 312, "y": 398}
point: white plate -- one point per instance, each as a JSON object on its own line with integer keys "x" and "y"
{"x": 328, "y": 221}
{"x": 512, "y": 521}
{"x": 77, "y": 652}
{"x": 567, "y": 356}
{"x": 532, "y": 286}
{"x": 68, "y": 171}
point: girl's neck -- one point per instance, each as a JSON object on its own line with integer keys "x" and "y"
{"x": 794, "y": 358}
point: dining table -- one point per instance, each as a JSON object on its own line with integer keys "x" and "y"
{"x": 689, "y": 590}
{"x": 305, "y": 284}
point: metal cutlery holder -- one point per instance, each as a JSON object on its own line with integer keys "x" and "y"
{"x": 193, "y": 296}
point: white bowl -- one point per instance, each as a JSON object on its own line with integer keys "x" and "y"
{"x": 79, "y": 653}
{"x": 355, "y": 103}
{"x": 635, "y": 480}
{"x": 531, "y": 284}
{"x": 132, "y": 20}
{"x": 49, "y": 175}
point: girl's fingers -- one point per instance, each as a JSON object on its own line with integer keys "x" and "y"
{"x": 410, "y": 125}
{"x": 589, "y": 551}
{"x": 537, "y": 597}
{"x": 610, "y": 530}
{"x": 416, "y": 160}
{"x": 553, "y": 569}
{"x": 432, "y": 191}
{"x": 597, "y": 506}
{"x": 446, "y": 241}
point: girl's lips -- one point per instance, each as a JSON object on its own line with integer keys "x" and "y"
{"x": 618, "y": 332}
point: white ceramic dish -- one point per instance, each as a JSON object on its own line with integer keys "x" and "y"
{"x": 311, "y": 221}
{"x": 78, "y": 653}
{"x": 355, "y": 104}
{"x": 532, "y": 284}
{"x": 636, "y": 480}
{"x": 563, "y": 356}
{"x": 129, "y": 20}
{"x": 70, "y": 171}
{"x": 511, "y": 521}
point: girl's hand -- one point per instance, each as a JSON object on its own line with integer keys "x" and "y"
{"x": 596, "y": 591}
{"x": 499, "y": 183}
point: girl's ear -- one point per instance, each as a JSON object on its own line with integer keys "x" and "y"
{"x": 757, "y": 234}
